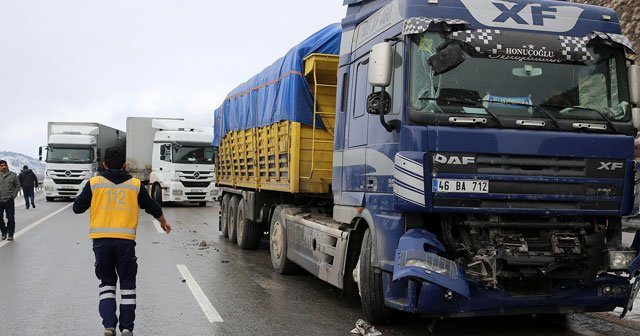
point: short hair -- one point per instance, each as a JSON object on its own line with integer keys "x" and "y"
{"x": 25, "y": 167}
{"x": 3, "y": 162}
{"x": 114, "y": 157}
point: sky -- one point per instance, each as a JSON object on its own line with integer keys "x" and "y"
{"x": 102, "y": 61}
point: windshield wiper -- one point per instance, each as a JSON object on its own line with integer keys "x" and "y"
{"x": 469, "y": 102}
{"x": 540, "y": 108}
{"x": 599, "y": 113}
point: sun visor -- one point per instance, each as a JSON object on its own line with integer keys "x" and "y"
{"x": 499, "y": 44}
{"x": 611, "y": 39}
{"x": 419, "y": 25}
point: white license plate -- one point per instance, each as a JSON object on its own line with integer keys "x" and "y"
{"x": 460, "y": 186}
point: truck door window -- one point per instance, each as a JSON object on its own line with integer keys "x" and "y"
{"x": 397, "y": 83}
{"x": 362, "y": 89}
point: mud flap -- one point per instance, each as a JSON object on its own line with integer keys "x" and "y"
{"x": 417, "y": 257}
{"x": 633, "y": 274}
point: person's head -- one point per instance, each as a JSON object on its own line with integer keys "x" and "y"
{"x": 25, "y": 167}
{"x": 3, "y": 166}
{"x": 114, "y": 158}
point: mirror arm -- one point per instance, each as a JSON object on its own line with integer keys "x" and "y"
{"x": 384, "y": 123}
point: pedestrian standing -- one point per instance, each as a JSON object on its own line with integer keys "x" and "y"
{"x": 9, "y": 189}
{"x": 28, "y": 181}
{"x": 113, "y": 199}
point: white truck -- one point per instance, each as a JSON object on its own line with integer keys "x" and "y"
{"x": 74, "y": 154}
{"x": 173, "y": 158}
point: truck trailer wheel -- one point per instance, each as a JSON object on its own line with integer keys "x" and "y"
{"x": 232, "y": 227}
{"x": 370, "y": 285}
{"x": 248, "y": 232}
{"x": 224, "y": 215}
{"x": 278, "y": 244}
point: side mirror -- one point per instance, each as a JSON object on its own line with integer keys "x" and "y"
{"x": 379, "y": 103}
{"x": 446, "y": 59}
{"x": 380, "y": 65}
{"x": 634, "y": 83}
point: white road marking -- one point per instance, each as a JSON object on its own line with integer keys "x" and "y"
{"x": 157, "y": 225}
{"x": 199, "y": 295}
{"x": 34, "y": 224}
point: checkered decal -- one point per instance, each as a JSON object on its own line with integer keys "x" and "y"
{"x": 615, "y": 38}
{"x": 419, "y": 25}
{"x": 575, "y": 48}
{"x": 484, "y": 40}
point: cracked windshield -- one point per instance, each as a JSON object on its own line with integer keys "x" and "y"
{"x": 510, "y": 88}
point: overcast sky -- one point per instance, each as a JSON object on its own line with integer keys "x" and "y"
{"x": 90, "y": 60}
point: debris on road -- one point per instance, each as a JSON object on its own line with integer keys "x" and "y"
{"x": 203, "y": 243}
{"x": 365, "y": 329}
{"x": 225, "y": 261}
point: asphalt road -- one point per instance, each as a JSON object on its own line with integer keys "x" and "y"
{"x": 192, "y": 282}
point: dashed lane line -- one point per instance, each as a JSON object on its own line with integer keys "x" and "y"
{"x": 157, "y": 225}
{"x": 34, "y": 224}
{"x": 198, "y": 294}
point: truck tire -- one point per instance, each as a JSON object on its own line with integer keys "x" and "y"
{"x": 248, "y": 232}
{"x": 224, "y": 215}
{"x": 157, "y": 193}
{"x": 278, "y": 244}
{"x": 371, "y": 292}
{"x": 50, "y": 199}
{"x": 232, "y": 227}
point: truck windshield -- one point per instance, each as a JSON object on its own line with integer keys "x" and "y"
{"x": 69, "y": 155}
{"x": 499, "y": 89}
{"x": 192, "y": 154}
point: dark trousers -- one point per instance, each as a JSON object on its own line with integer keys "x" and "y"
{"x": 28, "y": 196}
{"x": 10, "y": 208}
{"x": 116, "y": 258}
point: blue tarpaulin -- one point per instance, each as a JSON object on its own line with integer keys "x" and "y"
{"x": 279, "y": 92}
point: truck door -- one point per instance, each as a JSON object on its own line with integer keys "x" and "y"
{"x": 357, "y": 129}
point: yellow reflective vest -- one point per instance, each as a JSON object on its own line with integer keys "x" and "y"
{"x": 114, "y": 208}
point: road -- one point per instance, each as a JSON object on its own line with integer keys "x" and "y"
{"x": 192, "y": 282}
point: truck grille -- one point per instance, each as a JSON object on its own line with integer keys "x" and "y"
{"x": 531, "y": 165}
{"x": 69, "y": 181}
{"x": 189, "y": 184}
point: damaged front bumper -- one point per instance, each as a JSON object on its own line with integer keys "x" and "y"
{"x": 425, "y": 283}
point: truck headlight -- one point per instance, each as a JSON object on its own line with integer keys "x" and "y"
{"x": 214, "y": 192}
{"x": 620, "y": 260}
{"x": 177, "y": 192}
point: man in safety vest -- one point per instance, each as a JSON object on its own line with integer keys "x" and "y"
{"x": 114, "y": 198}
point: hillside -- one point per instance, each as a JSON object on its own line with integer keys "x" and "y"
{"x": 629, "y": 14}
{"x": 16, "y": 161}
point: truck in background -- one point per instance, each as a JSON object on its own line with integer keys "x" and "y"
{"x": 458, "y": 158}
{"x": 74, "y": 154}
{"x": 173, "y": 158}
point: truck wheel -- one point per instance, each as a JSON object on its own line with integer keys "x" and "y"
{"x": 278, "y": 244}
{"x": 370, "y": 285}
{"x": 247, "y": 231}
{"x": 233, "y": 209}
{"x": 157, "y": 193}
{"x": 50, "y": 199}
{"x": 224, "y": 215}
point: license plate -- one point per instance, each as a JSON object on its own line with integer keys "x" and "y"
{"x": 460, "y": 186}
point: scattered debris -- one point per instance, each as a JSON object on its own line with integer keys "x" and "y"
{"x": 155, "y": 242}
{"x": 225, "y": 261}
{"x": 183, "y": 280}
{"x": 204, "y": 243}
{"x": 365, "y": 329}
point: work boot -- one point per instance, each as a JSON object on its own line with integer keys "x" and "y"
{"x": 4, "y": 236}
{"x": 110, "y": 332}
{"x": 10, "y": 238}
{"x": 127, "y": 332}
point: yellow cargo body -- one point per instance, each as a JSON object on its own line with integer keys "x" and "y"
{"x": 286, "y": 156}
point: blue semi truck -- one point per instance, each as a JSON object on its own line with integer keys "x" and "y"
{"x": 482, "y": 159}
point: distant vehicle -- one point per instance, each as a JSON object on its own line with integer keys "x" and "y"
{"x": 172, "y": 157}
{"x": 446, "y": 158}
{"x": 74, "y": 154}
